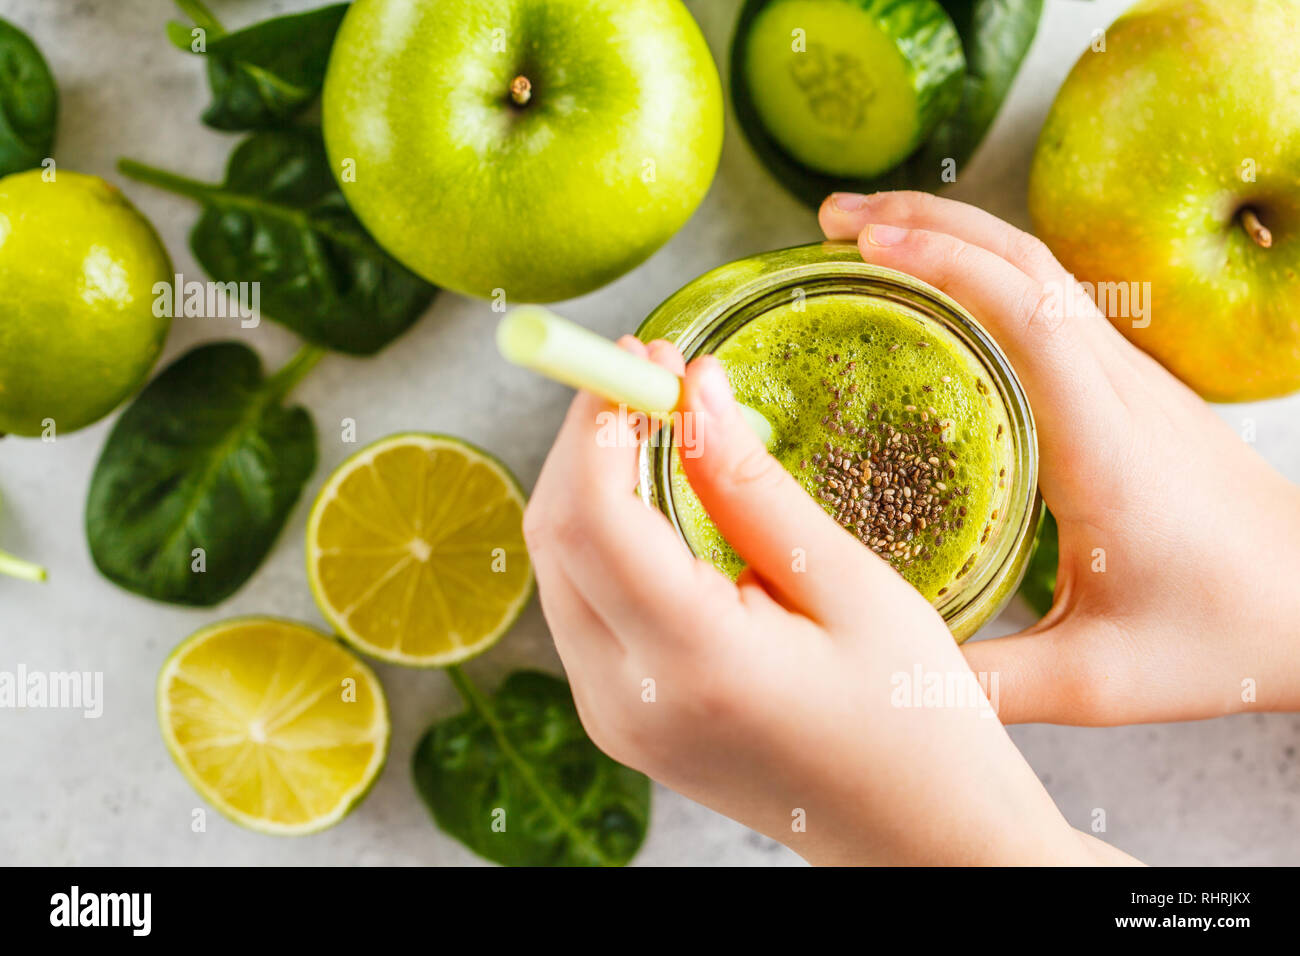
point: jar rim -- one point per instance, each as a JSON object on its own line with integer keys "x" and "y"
{"x": 696, "y": 319}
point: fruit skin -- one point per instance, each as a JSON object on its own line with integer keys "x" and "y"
{"x": 1138, "y": 177}
{"x": 201, "y": 787}
{"x": 610, "y": 156}
{"x": 78, "y": 332}
{"x": 340, "y": 626}
{"x": 875, "y": 79}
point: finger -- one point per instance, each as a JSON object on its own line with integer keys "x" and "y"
{"x": 1074, "y": 401}
{"x": 1031, "y": 673}
{"x": 750, "y": 585}
{"x": 1099, "y": 672}
{"x": 623, "y": 558}
{"x": 1083, "y": 673}
{"x": 845, "y": 215}
{"x": 663, "y": 352}
{"x": 595, "y": 441}
{"x": 593, "y": 658}
{"x": 573, "y": 625}
{"x": 781, "y": 532}
{"x": 630, "y": 343}
{"x": 754, "y": 593}
{"x": 587, "y": 647}
{"x": 1046, "y": 673}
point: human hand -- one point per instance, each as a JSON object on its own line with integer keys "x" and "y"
{"x": 1180, "y": 546}
{"x": 771, "y": 698}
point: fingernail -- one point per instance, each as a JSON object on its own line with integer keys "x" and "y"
{"x": 714, "y": 389}
{"x": 848, "y": 202}
{"x": 879, "y": 235}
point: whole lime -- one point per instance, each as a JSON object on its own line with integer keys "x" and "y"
{"x": 78, "y": 333}
{"x": 535, "y": 149}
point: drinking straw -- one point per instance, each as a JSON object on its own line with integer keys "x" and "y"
{"x": 18, "y": 568}
{"x": 538, "y": 339}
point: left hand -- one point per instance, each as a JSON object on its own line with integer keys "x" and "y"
{"x": 1179, "y": 545}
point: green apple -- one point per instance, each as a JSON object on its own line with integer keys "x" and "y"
{"x": 850, "y": 87}
{"x": 1173, "y": 158}
{"x": 78, "y": 330}
{"x": 535, "y": 149}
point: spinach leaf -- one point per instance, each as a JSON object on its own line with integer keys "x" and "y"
{"x": 520, "y": 758}
{"x": 264, "y": 75}
{"x": 1039, "y": 585}
{"x": 205, "y": 457}
{"x": 280, "y": 220}
{"x": 995, "y": 36}
{"x": 29, "y": 102}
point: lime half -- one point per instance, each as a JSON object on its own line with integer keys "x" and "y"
{"x": 415, "y": 550}
{"x": 279, "y": 727}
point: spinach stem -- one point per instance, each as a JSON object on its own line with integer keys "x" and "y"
{"x": 18, "y": 568}
{"x": 201, "y": 15}
{"x": 294, "y": 370}
{"x": 470, "y": 693}
{"x": 181, "y": 185}
{"x": 212, "y": 194}
{"x": 476, "y": 702}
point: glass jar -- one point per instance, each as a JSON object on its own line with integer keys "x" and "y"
{"x": 702, "y": 315}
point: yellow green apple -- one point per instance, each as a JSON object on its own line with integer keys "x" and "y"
{"x": 1172, "y": 157}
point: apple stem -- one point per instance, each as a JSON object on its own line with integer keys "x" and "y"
{"x": 1256, "y": 229}
{"x": 521, "y": 90}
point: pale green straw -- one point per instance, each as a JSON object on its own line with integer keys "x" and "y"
{"x": 540, "y": 340}
{"x": 18, "y": 568}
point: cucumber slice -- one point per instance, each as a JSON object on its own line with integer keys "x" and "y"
{"x": 852, "y": 87}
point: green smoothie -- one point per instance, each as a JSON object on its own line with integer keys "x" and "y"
{"x": 886, "y": 418}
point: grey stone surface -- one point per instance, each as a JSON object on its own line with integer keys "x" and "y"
{"x": 105, "y": 791}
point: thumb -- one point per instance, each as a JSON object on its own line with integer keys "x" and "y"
{"x": 776, "y": 527}
{"x": 1045, "y": 674}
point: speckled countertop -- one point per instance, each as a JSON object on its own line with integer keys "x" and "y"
{"x": 105, "y": 792}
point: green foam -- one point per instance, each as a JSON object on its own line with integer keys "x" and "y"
{"x": 790, "y": 394}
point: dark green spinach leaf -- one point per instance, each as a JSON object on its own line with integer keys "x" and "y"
{"x": 264, "y": 75}
{"x": 206, "y": 457}
{"x": 1039, "y": 585}
{"x": 521, "y": 759}
{"x": 29, "y": 102}
{"x": 281, "y": 220}
{"x": 995, "y": 36}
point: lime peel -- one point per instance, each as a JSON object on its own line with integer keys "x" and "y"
{"x": 219, "y": 690}
{"x": 402, "y": 543}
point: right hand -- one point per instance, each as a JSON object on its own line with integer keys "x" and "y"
{"x": 1180, "y": 546}
{"x": 774, "y": 696}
